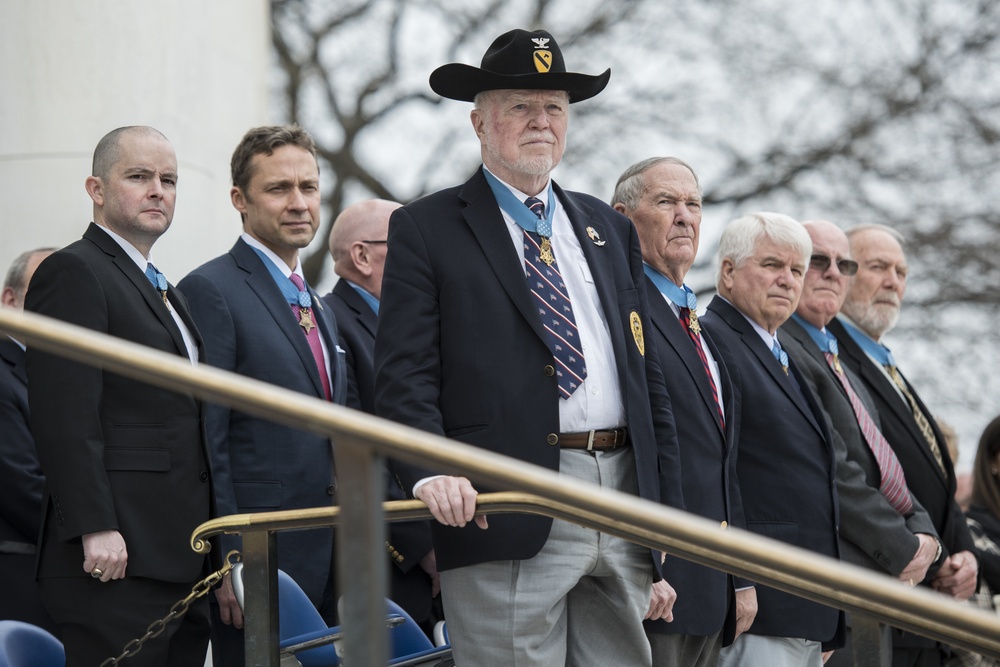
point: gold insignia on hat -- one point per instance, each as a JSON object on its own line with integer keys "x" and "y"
{"x": 543, "y": 61}
{"x": 636, "y": 324}
{"x": 595, "y": 237}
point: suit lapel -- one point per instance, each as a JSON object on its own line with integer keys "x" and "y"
{"x": 13, "y": 356}
{"x": 135, "y": 276}
{"x": 259, "y": 281}
{"x": 363, "y": 313}
{"x": 794, "y": 330}
{"x": 483, "y": 216}
{"x": 673, "y": 332}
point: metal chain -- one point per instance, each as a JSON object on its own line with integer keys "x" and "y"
{"x": 179, "y": 609}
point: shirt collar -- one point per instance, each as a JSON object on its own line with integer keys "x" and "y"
{"x": 277, "y": 261}
{"x": 130, "y": 249}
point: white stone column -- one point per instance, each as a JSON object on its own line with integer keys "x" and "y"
{"x": 72, "y": 70}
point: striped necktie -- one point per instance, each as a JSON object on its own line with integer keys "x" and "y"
{"x": 158, "y": 280}
{"x": 923, "y": 423}
{"x": 685, "y": 317}
{"x": 893, "y": 482}
{"x": 554, "y": 307}
{"x": 780, "y": 355}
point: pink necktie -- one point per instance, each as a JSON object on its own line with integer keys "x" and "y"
{"x": 312, "y": 336}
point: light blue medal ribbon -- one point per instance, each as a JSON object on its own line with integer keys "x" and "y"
{"x": 880, "y": 353}
{"x": 515, "y": 208}
{"x": 682, "y": 297}
{"x": 284, "y": 283}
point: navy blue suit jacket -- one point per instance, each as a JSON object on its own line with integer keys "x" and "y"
{"x": 708, "y": 461}
{"x": 935, "y": 490}
{"x": 260, "y": 466}
{"x": 786, "y": 468}
{"x": 21, "y": 490}
{"x": 409, "y": 541}
{"x": 461, "y": 351}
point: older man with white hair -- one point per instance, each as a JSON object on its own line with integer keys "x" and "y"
{"x": 786, "y": 462}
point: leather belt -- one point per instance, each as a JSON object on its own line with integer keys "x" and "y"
{"x": 595, "y": 441}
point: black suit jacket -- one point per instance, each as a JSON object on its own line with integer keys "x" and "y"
{"x": 409, "y": 541}
{"x": 21, "y": 490}
{"x": 117, "y": 453}
{"x": 261, "y": 466}
{"x": 708, "y": 461}
{"x": 786, "y": 467}
{"x": 935, "y": 490}
{"x": 872, "y": 533}
{"x": 461, "y": 351}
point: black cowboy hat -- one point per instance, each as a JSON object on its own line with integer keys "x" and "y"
{"x": 517, "y": 60}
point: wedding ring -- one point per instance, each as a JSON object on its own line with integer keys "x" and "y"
{"x": 912, "y": 584}
{"x": 96, "y": 573}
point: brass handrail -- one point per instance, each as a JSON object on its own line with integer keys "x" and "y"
{"x": 678, "y": 533}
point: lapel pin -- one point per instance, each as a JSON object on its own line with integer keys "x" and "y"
{"x": 595, "y": 237}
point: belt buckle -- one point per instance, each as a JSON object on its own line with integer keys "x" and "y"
{"x": 590, "y": 441}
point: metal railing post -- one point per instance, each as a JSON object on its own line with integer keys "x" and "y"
{"x": 361, "y": 563}
{"x": 260, "y": 604}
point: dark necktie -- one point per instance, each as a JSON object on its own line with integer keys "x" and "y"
{"x": 554, "y": 307}
{"x": 304, "y": 316}
{"x": 695, "y": 336}
{"x": 893, "y": 482}
{"x": 923, "y": 423}
{"x": 158, "y": 280}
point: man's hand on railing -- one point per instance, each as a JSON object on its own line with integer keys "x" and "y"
{"x": 451, "y": 500}
{"x": 958, "y": 575}
{"x": 746, "y": 609}
{"x": 229, "y": 608}
{"x": 661, "y": 601}
{"x": 916, "y": 569}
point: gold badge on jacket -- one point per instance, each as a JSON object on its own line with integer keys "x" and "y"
{"x": 636, "y": 324}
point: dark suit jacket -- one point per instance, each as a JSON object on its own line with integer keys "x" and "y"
{"x": 21, "y": 490}
{"x": 261, "y": 466}
{"x": 872, "y": 533}
{"x": 708, "y": 461}
{"x": 786, "y": 468}
{"x": 461, "y": 351}
{"x": 409, "y": 541}
{"x": 117, "y": 453}
{"x": 934, "y": 490}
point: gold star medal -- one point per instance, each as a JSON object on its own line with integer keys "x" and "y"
{"x": 305, "y": 312}
{"x": 693, "y": 323}
{"x": 545, "y": 252}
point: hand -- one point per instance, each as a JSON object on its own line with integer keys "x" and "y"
{"x": 105, "y": 551}
{"x": 827, "y": 655}
{"x": 916, "y": 569}
{"x": 429, "y": 565}
{"x": 229, "y": 608}
{"x": 958, "y": 576}
{"x": 451, "y": 500}
{"x": 746, "y": 609}
{"x": 661, "y": 601}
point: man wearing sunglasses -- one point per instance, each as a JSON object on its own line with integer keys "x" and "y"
{"x": 882, "y": 527}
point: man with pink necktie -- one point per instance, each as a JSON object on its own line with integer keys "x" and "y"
{"x": 259, "y": 319}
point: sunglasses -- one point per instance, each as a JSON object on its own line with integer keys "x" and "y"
{"x": 821, "y": 263}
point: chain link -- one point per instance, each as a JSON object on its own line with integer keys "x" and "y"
{"x": 179, "y": 609}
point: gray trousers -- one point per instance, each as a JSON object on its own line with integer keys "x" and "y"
{"x": 761, "y": 651}
{"x": 580, "y": 601}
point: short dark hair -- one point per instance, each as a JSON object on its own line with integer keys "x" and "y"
{"x": 263, "y": 141}
{"x": 106, "y": 153}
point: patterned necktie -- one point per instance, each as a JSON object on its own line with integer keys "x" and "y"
{"x": 158, "y": 280}
{"x": 780, "y": 355}
{"x": 554, "y": 308}
{"x": 923, "y": 423}
{"x": 304, "y": 316}
{"x": 685, "y": 317}
{"x": 893, "y": 483}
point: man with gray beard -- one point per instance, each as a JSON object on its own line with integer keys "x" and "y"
{"x": 869, "y": 312}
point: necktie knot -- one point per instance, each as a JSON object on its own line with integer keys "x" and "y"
{"x": 297, "y": 281}
{"x": 537, "y": 206}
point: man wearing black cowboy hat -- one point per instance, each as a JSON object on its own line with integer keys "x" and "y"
{"x": 512, "y": 319}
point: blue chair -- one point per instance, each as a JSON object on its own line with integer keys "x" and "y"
{"x": 300, "y": 625}
{"x": 26, "y": 645}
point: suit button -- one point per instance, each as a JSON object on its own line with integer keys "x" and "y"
{"x": 329, "y": 490}
{"x": 550, "y": 370}
{"x": 203, "y": 476}
{"x": 724, "y": 525}
{"x": 552, "y": 439}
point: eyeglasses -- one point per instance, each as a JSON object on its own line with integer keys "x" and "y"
{"x": 382, "y": 242}
{"x": 821, "y": 263}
